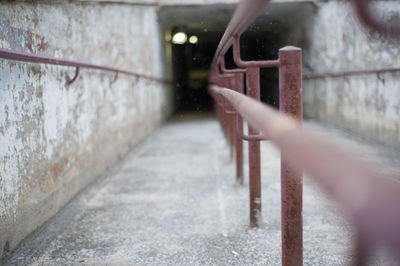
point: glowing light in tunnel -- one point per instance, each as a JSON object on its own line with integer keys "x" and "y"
{"x": 179, "y": 38}
{"x": 193, "y": 39}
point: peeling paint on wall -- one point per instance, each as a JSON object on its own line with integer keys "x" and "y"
{"x": 54, "y": 139}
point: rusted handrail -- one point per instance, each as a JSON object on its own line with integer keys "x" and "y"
{"x": 350, "y": 73}
{"x": 244, "y": 15}
{"x": 33, "y": 58}
{"x": 289, "y": 62}
{"x": 370, "y": 201}
{"x": 336, "y": 171}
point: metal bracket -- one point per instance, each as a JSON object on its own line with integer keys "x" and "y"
{"x": 68, "y": 80}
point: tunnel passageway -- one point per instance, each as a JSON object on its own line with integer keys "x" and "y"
{"x": 190, "y": 60}
{"x": 173, "y": 201}
{"x": 94, "y": 171}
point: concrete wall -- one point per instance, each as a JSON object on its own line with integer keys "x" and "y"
{"x": 54, "y": 139}
{"x": 367, "y": 104}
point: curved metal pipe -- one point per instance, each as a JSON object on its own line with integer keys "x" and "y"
{"x": 365, "y": 15}
{"x": 246, "y": 64}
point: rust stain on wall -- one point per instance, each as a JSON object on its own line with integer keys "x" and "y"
{"x": 35, "y": 41}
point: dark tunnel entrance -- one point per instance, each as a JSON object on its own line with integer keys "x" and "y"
{"x": 191, "y": 62}
{"x": 192, "y": 36}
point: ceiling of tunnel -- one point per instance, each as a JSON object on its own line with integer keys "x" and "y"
{"x": 212, "y": 20}
{"x": 283, "y": 23}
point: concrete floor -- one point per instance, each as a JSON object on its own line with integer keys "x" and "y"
{"x": 173, "y": 201}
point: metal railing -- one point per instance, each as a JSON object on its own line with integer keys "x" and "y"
{"x": 370, "y": 201}
{"x": 32, "y": 58}
{"x": 349, "y": 73}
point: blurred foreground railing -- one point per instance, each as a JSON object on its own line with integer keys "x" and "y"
{"x": 370, "y": 201}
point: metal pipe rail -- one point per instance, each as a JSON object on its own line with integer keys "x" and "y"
{"x": 370, "y": 200}
{"x": 350, "y": 73}
{"x": 290, "y": 99}
{"x": 289, "y": 63}
{"x": 290, "y": 77}
{"x": 245, "y": 13}
{"x": 32, "y": 58}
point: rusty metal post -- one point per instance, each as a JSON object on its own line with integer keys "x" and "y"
{"x": 290, "y": 102}
{"x": 217, "y": 101}
{"x": 239, "y": 141}
{"x": 372, "y": 202}
{"x": 231, "y": 119}
{"x": 253, "y": 90}
{"x": 237, "y": 84}
{"x": 362, "y": 248}
{"x": 223, "y": 115}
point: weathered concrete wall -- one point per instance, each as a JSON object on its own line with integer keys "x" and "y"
{"x": 367, "y": 104}
{"x": 54, "y": 140}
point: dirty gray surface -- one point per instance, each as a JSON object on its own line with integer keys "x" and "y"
{"x": 173, "y": 201}
{"x": 56, "y": 139}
